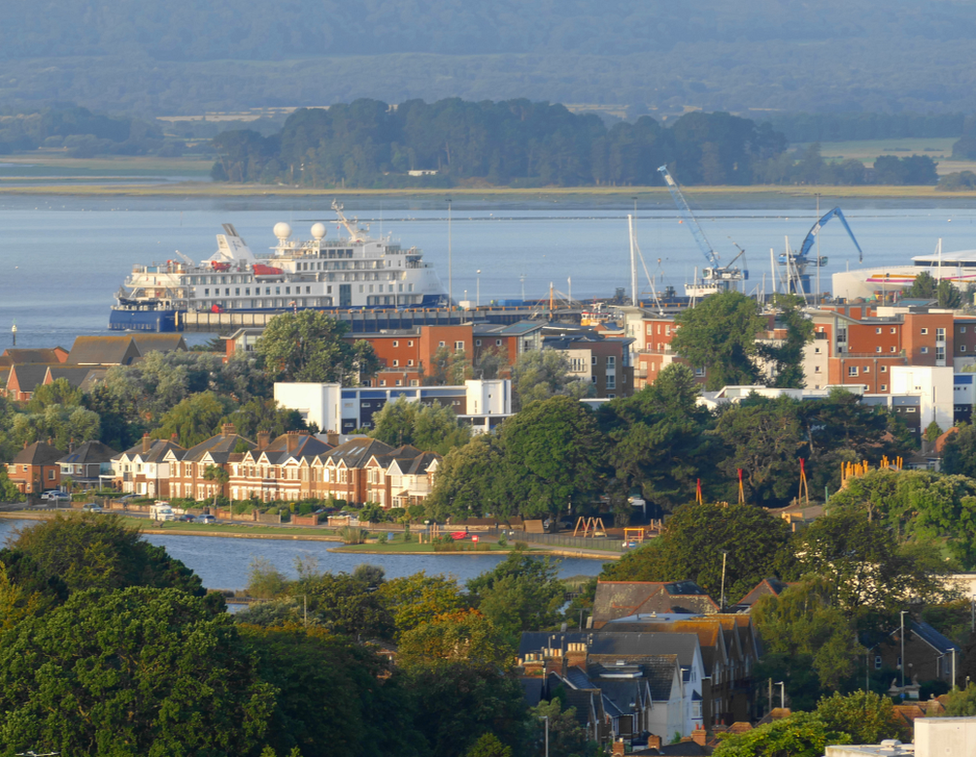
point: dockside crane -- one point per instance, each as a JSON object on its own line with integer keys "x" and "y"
{"x": 715, "y": 277}
{"x": 798, "y": 262}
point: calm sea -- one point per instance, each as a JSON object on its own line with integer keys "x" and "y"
{"x": 63, "y": 258}
{"x": 224, "y": 563}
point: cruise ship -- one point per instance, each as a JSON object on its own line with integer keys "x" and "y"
{"x": 351, "y": 272}
{"x": 867, "y": 283}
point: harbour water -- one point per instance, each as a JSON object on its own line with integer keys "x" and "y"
{"x": 63, "y": 258}
{"x": 224, "y": 563}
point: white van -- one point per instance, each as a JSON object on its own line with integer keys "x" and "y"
{"x": 161, "y": 511}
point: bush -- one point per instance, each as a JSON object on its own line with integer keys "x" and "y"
{"x": 353, "y": 535}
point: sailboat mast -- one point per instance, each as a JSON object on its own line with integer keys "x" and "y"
{"x": 633, "y": 262}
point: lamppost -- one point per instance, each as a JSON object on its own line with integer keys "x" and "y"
{"x": 546, "y": 718}
{"x": 725, "y": 554}
{"x": 902, "y": 658}
{"x": 782, "y": 694}
{"x": 450, "y": 270}
{"x": 478, "y": 290}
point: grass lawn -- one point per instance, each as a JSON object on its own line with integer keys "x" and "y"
{"x": 413, "y": 547}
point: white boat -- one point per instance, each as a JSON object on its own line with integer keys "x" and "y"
{"x": 879, "y": 281}
{"x": 351, "y": 272}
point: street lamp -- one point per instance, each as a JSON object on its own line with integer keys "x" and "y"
{"x": 478, "y": 292}
{"x": 450, "y": 271}
{"x": 902, "y": 635}
{"x": 725, "y": 554}
{"x": 546, "y": 718}
{"x": 782, "y": 694}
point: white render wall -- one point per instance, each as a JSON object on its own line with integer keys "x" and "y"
{"x": 318, "y": 403}
{"x": 934, "y": 386}
{"x": 489, "y": 396}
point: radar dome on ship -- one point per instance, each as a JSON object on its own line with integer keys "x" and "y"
{"x": 318, "y": 231}
{"x": 282, "y": 230}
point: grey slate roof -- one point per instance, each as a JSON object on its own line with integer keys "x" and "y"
{"x": 617, "y": 599}
{"x": 159, "y": 342}
{"x": 933, "y": 638}
{"x": 356, "y": 452}
{"x": 89, "y": 452}
{"x": 628, "y": 645}
{"x": 218, "y": 447}
{"x": 73, "y": 374}
{"x": 23, "y": 356}
{"x": 659, "y": 672}
{"x": 38, "y": 453}
{"x": 157, "y": 450}
{"x": 103, "y": 350}
{"x": 30, "y": 375}
{"x": 305, "y": 446}
{"x": 532, "y": 689}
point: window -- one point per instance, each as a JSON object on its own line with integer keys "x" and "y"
{"x": 924, "y": 331}
{"x": 593, "y": 360}
{"x": 611, "y": 382}
{"x": 611, "y": 362}
{"x": 962, "y": 347}
{"x": 396, "y": 343}
{"x": 940, "y": 353}
{"x": 852, "y": 370}
{"x": 50, "y": 475}
{"x": 884, "y": 368}
{"x": 410, "y": 362}
{"x": 940, "y": 335}
{"x": 498, "y": 342}
{"x": 396, "y": 363}
{"x": 440, "y": 344}
{"x": 816, "y": 369}
{"x": 459, "y": 345}
{"x": 884, "y": 387}
{"x": 962, "y": 329}
{"x": 477, "y": 342}
{"x": 891, "y": 349}
{"x": 877, "y": 349}
{"x": 909, "y": 409}
{"x": 892, "y": 330}
{"x": 593, "y": 379}
{"x": 410, "y": 343}
{"x": 925, "y": 350}
{"x": 699, "y": 372}
{"x": 414, "y": 382}
{"x": 877, "y": 662}
{"x": 399, "y": 383}
{"x": 866, "y": 369}
{"x": 877, "y": 330}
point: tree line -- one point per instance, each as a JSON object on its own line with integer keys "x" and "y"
{"x": 523, "y": 144}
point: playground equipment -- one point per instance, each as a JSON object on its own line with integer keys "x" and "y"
{"x": 590, "y": 527}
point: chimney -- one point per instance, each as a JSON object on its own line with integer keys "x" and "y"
{"x": 653, "y": 742}
{"x": 618, "y": 748}
{"x": 291, "y": 441}
{"x": 174, "y": 438}
{"x": 332, "y": 437}
{"x": 71, "y": 445}
{"x": 146, "y": 442}
{"x": 699, "y": 735}
{"x": 227, "y": 429}
{"x": 264, "y": 439}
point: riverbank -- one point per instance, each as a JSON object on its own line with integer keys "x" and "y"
{"x": 297, "y": 533}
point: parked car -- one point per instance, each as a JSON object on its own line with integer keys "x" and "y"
{"x": 187, "y": 518}
{"x": 91, "y": 507}
{"x": 56, "y": 495}
{"x": 206, "y": 519}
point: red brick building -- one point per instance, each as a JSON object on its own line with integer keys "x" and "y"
{"x": 35, "y": 468}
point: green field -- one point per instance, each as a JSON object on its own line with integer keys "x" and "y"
{"x": 937, "y": 148}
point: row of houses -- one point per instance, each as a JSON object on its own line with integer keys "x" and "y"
{"x": 293, "y": 466}
{"x": 659, "y": 659}
{"x": 23, "y": 370}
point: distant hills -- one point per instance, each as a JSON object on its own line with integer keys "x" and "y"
{"x": 646, "y": 56}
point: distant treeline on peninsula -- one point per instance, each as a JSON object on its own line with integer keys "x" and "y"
{"x": 520, "y": 143}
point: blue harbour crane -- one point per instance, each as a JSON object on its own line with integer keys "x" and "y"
{"x": 797, "y": 262}
{"x": 715, "y": 277}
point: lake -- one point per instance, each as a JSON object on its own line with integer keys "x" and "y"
{"x": 223, "y": 563}
{"x": 62, "y": 259}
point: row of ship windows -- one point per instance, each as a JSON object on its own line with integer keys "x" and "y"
{"x": 247, "y": 278}
{"x": 311, "y": 302}
{"x": 298, "y": 290}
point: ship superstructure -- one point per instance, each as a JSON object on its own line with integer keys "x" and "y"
{"x": 351, "y": 272}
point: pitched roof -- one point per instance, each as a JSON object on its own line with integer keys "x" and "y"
{"x": 89, "y": 452}
{"x": 28, "y": 376}
{"x": 103, "y": 350}
{"x": 355, "y": 453}
{"x": 659, "y": 672}
{"x": 219, "y": 448}
{"x": 933, "y": 638}
{"x": 157, "y": 450}
{"x": 766, "y": 587}
{"x": 75, "y": 375}
{"x": 303, "y": 445}
{"x": 23, "y": 356}
{"x": 38, "y": 453}
{"x": 631, "y": 645}
{"x": 617, "y": 599}
{"x": 159, "y": 342}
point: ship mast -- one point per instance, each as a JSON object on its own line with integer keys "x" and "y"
{"x": 355, "y": 234}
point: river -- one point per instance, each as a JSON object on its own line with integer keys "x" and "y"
{"x": 63, "y": 258}
{"x": 223, "y": 563}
